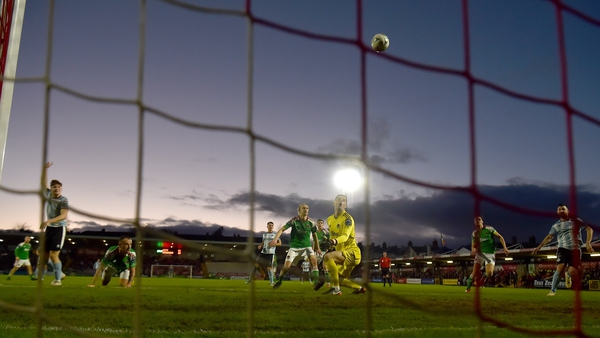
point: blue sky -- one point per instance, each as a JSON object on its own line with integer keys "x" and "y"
{"x": 306, "y": 94}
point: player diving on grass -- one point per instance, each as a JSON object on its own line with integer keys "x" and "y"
{"x": 300, "y": 247}
{"x": 484, "y": 251}
{"x": 346, "y": 256}
{"x": 119, "y": 259}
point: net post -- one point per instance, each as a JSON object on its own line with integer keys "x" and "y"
{"x": 11, "y": 20}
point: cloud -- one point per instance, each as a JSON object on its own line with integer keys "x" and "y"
{"x": 450, "y": 212}
{"x": 379, "y": 138}
{"x": 397, "y": 220}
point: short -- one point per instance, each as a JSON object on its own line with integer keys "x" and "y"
{"x": 319, "y": 257}
{"x": 55, "y": 238}
{"x": 385, "y": 272}
{"x": 265, "y": 260}
{"x": 487, "y": 258}
{"x": 110, "y": 271}
{"x": 294, "y": 254}
{"x": 567, "y": 256}
{"x": 352, "y": 258}
{"x": 22, "y": 262}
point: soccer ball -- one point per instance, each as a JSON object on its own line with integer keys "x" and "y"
{"x": 380, "y": 42}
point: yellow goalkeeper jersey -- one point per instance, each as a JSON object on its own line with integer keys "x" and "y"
{"x": 342, "y": 229}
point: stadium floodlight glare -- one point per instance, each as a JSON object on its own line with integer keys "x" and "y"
{"x": 408, "y": 263}
{"x": 348, "y": 180}
{"x": 429, "y": 262}
{"x": 551, "y": 256}
{"x": 595, "y": 254}
{"x": 508, "y": 258}
{"x": 450, "y": 262}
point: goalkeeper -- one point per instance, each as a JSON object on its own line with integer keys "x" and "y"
{"x": 346, "y": 256}
{"x": 119, "y": 259}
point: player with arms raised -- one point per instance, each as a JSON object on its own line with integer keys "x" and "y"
{"x": 55, "y": 227}
{"x": 300, "y": 246}
{"x": 117, "y": 259}
{"x": 569, "y": 245}
{"x": 346, "y": 256}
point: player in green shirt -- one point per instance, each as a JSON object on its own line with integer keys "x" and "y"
{"x": 323, "y": 236}
{"x": 300, "y": 246}
{"x": 119, "y": 259}
{"x": 22, "y": 257}
{"x": 484, "y": 248}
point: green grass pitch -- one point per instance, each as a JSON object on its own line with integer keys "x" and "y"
{"x": 220, "y": 308}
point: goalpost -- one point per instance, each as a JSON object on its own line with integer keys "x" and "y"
{"x": 11, "y": 21}
{"x": 170, "y": 271}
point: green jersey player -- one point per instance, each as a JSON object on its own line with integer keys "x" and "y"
{"x": 22, "y": 258}
{"x": 119, "y": 259}
{"x": 484, "y": 248}
{"x": 323, "y": 236}
{"x": 300, "y": 246}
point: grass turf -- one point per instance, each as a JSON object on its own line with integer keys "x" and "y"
{"x": 220, "y": 308}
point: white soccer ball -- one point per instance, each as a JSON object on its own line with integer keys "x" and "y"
{"x": 380, "y": 42}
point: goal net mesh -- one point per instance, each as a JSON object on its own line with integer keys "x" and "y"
{"x": 143, "y": 112}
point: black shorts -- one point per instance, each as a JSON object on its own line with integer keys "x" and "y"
{"x": 567, "y": 257}
{"x": 55, "y": 238}
{"x": 265, "y": 260}
{"x": 385, "y": 271}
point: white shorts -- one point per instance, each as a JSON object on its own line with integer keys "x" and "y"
{"x": 319, "y": 257}
{"x": 109, "y": 271}
{"x": 487, "y": 258}
{"x": 19, "y": 263}
{"x": 293, "y": 255}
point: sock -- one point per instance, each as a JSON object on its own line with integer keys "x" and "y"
{"x": 333, "y": 273}
{"x": 469, "y": 282}
{"x": 57, "y": 270}
{"x": 350, "y": 284}
{"x": 315, "y": 275}
{"x": 555, "y": 280}
{"x": 49, "y": 264}
{"x": 270, "y": 276}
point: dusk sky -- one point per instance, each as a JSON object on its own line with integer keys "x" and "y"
{"x": 306, "y": 95}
